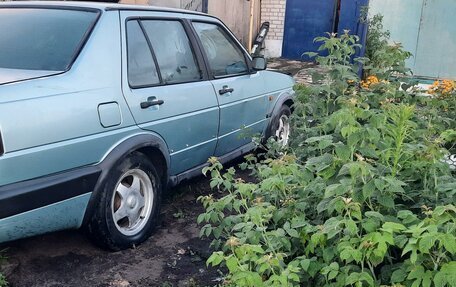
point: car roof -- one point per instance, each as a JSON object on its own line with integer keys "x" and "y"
{"x": 95, "y": 5}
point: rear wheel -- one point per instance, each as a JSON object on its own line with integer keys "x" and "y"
{"x": 129, "y": 204}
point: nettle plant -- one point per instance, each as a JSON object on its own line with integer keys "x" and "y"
{"x": 360, "y": 198}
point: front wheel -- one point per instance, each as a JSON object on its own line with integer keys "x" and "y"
{"x": 280, "y": 128}
{"x": 129, "y": 204}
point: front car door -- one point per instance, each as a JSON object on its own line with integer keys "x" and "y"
{"x": 241, "y": 93}
{"x": 167, "y": 89}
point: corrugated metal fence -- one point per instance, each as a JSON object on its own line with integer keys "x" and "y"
{"x": 236, "y": 15}
{"x": 426, "y": 28}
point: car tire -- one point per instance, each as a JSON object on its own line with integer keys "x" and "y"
{"x": 280, "y": 126}
{"x": 128, "y": 206}
{"x": 451, "y": 160}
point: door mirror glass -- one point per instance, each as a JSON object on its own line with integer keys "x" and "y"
{"x": 259, "y": 63}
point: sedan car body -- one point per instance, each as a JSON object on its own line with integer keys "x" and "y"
{"x": 104, "y": 106}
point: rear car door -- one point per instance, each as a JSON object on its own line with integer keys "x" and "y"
{"x": 241, "y": 94}
{"x": 166, "y": 88}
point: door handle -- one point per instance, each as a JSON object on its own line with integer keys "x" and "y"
{"x": 151, "y": 102}
{"x": 225, "y": 90}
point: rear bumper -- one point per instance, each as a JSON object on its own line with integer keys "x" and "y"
{"x": 28, "y": 195}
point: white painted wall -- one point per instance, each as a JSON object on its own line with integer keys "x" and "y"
{"x": 273, "y": 11}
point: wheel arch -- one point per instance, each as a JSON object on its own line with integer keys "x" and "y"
{"x": 289, "y": 102}
{"x": 151, "y": 145}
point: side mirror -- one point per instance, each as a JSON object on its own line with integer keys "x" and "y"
{"x": 259, "y": 64}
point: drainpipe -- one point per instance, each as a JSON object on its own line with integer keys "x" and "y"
{"x": 252, "y": 9}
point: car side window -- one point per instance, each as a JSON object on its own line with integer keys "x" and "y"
{"x": 141, "y": 67}
{"x": 172, "y": 48}
{"x": 224, "y": 56}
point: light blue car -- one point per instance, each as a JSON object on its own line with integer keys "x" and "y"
{"x": 105, "y": 106}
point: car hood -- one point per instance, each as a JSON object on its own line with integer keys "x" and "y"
{"x": 16, "y": 75}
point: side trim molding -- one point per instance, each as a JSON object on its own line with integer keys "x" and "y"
{"x": 27, "y": 195}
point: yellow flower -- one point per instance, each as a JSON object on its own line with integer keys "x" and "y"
{"x": 443, "y": 89}
{"x": 370, "y": 80}
{"x": 364, "y": 85}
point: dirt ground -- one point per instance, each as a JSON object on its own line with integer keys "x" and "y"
{"x": 301, "y": 71}
{"x": 173, "y": 256}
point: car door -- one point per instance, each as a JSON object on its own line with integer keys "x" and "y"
{"x": 241, "y": 93}
{"x": 166, "y": 88}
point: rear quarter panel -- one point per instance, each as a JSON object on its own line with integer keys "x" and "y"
{"x": 51, "y": 124}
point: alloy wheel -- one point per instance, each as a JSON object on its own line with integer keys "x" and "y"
{"x": 132, "y": 202}
{"x": 283, "y": 131}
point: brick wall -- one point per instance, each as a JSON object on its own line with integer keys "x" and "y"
{"x": 273, "y": 11}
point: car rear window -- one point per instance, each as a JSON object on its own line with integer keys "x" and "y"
{"x": 42, "y": 39}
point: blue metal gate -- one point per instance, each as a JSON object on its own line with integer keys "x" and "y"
{"x": 307, "y": 19}
{"x": 350, "y": 18}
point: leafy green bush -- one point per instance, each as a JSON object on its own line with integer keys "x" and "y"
{"x": 384, "y": 58}
{"x": 361, "y": 198}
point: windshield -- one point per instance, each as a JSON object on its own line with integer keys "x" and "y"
{"x": 42, "y": 39}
